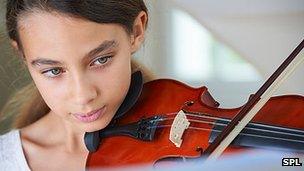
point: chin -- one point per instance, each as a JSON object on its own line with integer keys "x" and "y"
{"x": 90, "y": 129}
{"x": 94, "y": 126}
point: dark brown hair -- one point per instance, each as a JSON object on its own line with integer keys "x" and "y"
{"x": 121, "y": 12}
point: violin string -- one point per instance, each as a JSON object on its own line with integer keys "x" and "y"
{"x": 256, "y": 129}
{"x": 262, "y": 125}
{"x": 246, "y": 134}
{"x": 206, "y": 116}
{"x": 246, "y": 128}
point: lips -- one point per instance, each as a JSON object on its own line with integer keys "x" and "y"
{"x": 91, "y": 116}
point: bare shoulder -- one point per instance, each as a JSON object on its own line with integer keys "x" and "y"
{"x": 31, "y": 137}
{"x": 35, "y": 134}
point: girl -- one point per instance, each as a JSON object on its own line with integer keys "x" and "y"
{"x": 78, "y": 54}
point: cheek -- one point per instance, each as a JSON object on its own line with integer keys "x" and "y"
{"x": 52, "y": 94}
{"x": 116, "y": 82}
{"x": 54, "y": 98}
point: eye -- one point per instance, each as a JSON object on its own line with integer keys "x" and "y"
{"x": 101, "y": 60}
{"x": 54, "y": 72}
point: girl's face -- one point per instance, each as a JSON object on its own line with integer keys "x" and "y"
{"x": 78, "y": 66}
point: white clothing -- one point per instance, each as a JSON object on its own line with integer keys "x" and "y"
{"x": 12, "y": 157}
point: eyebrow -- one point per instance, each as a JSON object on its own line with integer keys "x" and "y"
{"x": 108, "y": 44}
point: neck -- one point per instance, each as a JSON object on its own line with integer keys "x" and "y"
{"x": 61, "y": 133}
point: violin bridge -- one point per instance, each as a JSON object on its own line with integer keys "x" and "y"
{"x": 179, "y": 125}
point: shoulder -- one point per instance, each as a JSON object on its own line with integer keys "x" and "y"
{"x": 11, "y": 154}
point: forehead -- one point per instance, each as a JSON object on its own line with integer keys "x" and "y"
{"x": 45, "y": 32}
{"x": 44, "y": 22}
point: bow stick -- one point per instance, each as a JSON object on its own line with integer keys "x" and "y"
{"x": 255, "y": 103}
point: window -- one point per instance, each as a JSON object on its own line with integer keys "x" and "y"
{"x": 199, "y": 56}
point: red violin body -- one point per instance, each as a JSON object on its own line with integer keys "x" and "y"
{"x": 164, "y": 98}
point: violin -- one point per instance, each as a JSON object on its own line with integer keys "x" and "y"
{"x": 141, "y": 136}
{"x": 165, "y": 120}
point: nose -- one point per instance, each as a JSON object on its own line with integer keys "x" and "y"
{"x": 84, "y": 90}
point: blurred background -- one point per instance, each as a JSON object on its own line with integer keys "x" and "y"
{"x": 231, "y": 47}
